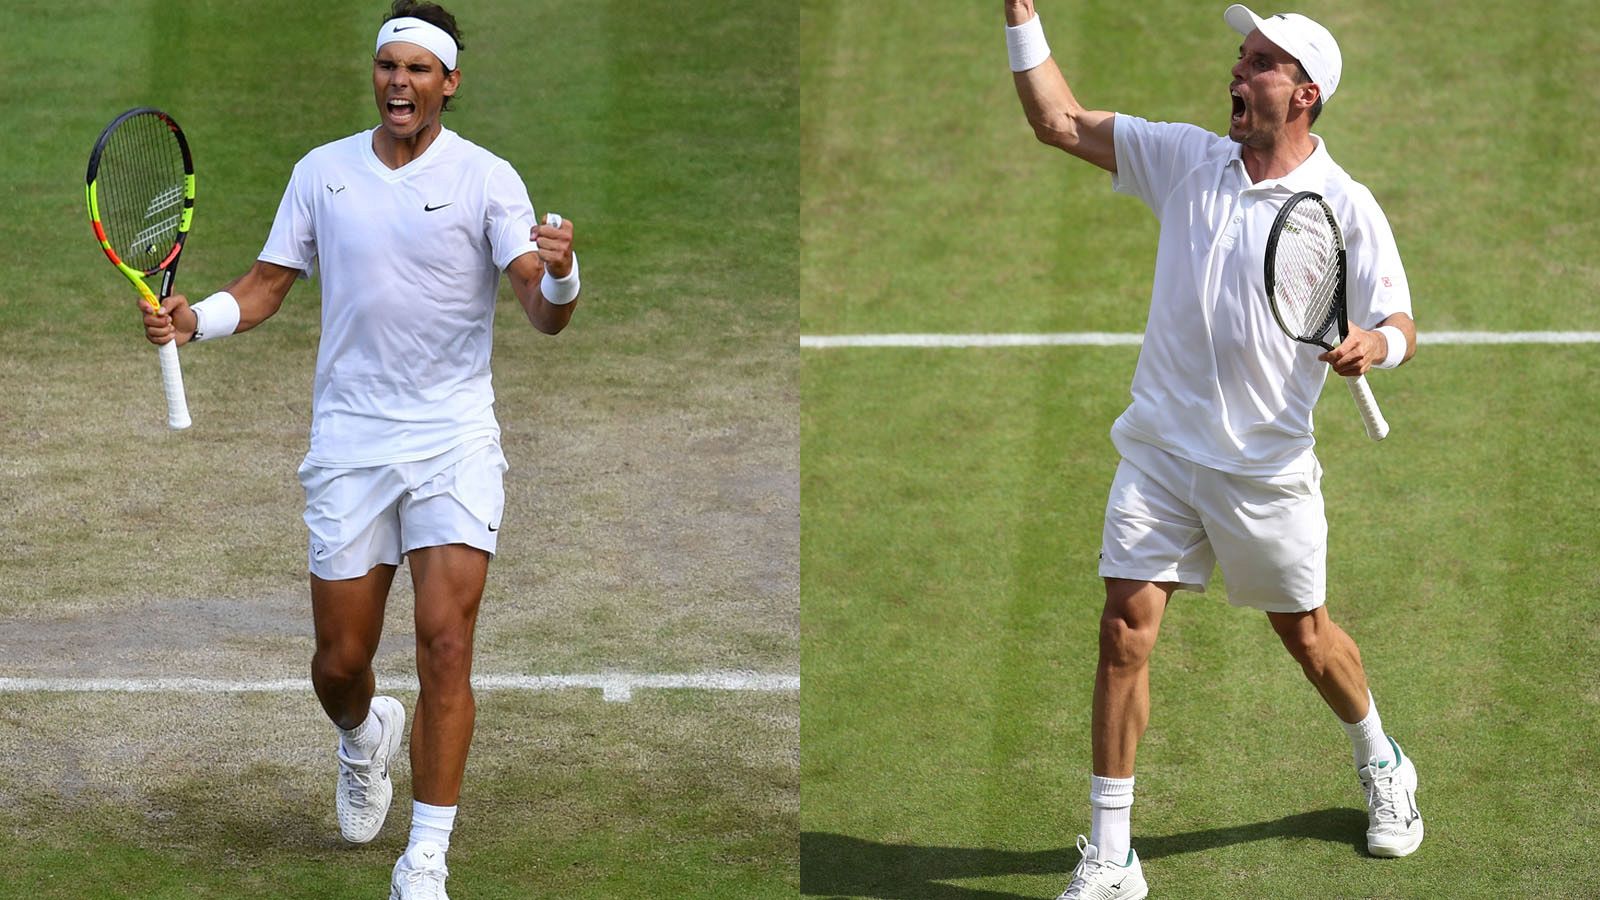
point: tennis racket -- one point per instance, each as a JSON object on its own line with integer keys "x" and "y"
{"x": 140, "y": 190}
{"x": 1306, "y": 287}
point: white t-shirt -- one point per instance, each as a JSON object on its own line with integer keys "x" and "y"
{"x": 410, "y": 260}
{"x": 1218, "y": 382}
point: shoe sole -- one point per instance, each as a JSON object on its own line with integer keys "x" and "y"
{"x": 1140, "y": 893}
{"x": 1397, "y": 852}
{"x": 390, "y": 746}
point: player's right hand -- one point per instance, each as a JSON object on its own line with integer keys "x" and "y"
{"x": 159, "y": 326}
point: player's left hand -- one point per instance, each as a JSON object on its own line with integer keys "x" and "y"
{"x": 555, "y": 246}
{"x": 1356, "y": 353}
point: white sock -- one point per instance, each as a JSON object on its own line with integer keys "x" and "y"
{"x": 431, "y": 824}
{"x": 360, "y": 741}
{"x": 1367, "y": 740}
{"x": 1110, "y": 800}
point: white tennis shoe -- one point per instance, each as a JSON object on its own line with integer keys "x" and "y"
{"x": 1100, "y": 879}
{"x": 364, "y": 789}
{"x": 420, "y": 874}
{"x": 1394, "y": 824}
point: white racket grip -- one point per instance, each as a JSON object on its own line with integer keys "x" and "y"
{"x": 1377, "y": 428}
{"x": 172, "y": 382}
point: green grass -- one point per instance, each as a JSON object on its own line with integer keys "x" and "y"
{"x": 950, "y": 604}
{"x": 558, "y": 802}
{"x": 652, "y": 502}
{"x": 928, "y": 206}
{"x": 952, "y": 500}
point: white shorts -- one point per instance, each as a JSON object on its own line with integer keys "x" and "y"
{"x": 1169, "y": 519}
{"x": 371, "y": 516}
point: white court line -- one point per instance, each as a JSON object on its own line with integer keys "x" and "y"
{"x": 1116, "y": 339}
{"x": 613, "y": 686}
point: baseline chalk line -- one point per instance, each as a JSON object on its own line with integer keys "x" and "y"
{"x": 615, "y": 687}
{"x": 1119, "y": 339}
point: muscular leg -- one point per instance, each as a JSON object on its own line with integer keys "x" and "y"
{"x": 1128, "y": 628}
{"x": 1333, "y": 664}
{"x": 449, "y": 581}
{"x": 348, "y": 617}
{"x": 1329, "y": 658}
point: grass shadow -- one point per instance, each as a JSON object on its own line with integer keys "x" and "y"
{"x": 837, "y": 865}
{"x": 1336, "y": 825}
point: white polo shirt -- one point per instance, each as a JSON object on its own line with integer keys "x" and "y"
{"x": 410, "y": 261}
{"x": 1218, "y": 383}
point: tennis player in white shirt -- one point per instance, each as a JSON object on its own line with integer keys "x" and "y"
{"x": 409, "y": 226}
{"x": 1217, "y": 463}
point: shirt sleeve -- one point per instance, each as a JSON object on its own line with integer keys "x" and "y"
{"x": 508, "y": 215}
{"x": 293, "y": 239}
{"x": 1153, "y": 157}
{"x": 1378, "y": 286}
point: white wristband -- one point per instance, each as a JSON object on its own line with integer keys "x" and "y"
{"x": 1027, "y": 45}
{"x": 215, "y": 316}
{"x": 1397, "y": 346}
{"x": 563, "y": 290}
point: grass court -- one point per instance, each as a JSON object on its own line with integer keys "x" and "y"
{"x": 652, "y": 521}
{"x": 952, "y": 498}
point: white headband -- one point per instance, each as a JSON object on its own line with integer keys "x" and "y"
{"x": 424, "y": 34}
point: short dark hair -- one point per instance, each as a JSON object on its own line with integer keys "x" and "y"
{"x": 433, "y": 14}
{"x": 1305, "y": 78}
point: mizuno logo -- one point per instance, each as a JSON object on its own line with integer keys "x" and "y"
{"x": 427, "y": 208}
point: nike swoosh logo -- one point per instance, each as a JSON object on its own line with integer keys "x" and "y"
{"x": 427, "y": 208}
{"x": 1118, "y": 885}
{"x": 494, "y": 527}
{"x": 400, "y": 28}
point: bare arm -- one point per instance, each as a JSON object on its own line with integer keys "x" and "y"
{"x": 1058, "y": 119}
{"x": 260, "y": 293}
{"x": 525, "y": 272}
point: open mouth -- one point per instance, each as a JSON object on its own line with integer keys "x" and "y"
{"x": 401, "y": 109}
{"x": 1238, "y": 105}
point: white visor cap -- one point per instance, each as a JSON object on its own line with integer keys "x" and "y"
{"x": 1309, "y": 43}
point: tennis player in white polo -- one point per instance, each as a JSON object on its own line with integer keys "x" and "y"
{"x": 1217, "y": 463}
{"x": 409, "y": 226}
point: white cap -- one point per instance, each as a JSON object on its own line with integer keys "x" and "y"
{"x": 1309, "y": 43}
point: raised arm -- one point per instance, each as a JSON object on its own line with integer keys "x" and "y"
{"x": 554, "y": 270}
{"x": 1058, "y": 119}
{"x": 259, "y": 293}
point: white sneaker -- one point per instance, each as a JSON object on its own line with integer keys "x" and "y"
{"x": 420, "y": 874}
{"x": 1394, "y": 825}
{"x": 364, "y": 789}
{"x": 1099, "y": 879}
